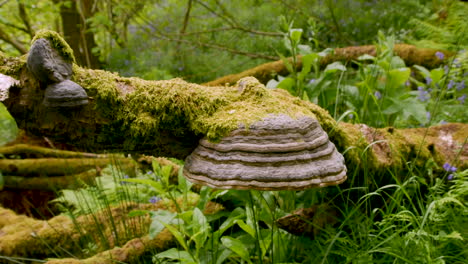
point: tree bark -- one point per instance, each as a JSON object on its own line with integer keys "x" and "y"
{"x": 76, "y": 32}
{"x": 265, "y": 72}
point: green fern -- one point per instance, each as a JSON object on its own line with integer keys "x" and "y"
{"x": 449, "y": 33}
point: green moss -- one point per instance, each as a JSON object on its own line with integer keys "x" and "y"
{"x": 145, "y": 108}
{"x": 57, "y": 42}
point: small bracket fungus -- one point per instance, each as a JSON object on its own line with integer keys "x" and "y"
{"x": 5, "y": 83}
{"x": 46, "y": 64}
{"x": 64, "y": 94}
{"x": 277, "y": 153}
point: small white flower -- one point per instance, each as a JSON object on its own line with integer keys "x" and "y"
{"x": 232, "y": 112}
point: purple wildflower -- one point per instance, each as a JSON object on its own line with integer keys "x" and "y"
{"x": 312, "y": 81}
{"x": 407, "y": 83}
{"x": 461, "y": 85}
{"x": 439, "y": 55}
{"x": 350, "y": 116}
{"x": 154, "y": 199}
{"x": 428, "y": 115}
{"x": 377, "y": 95}
{"x": 449, "y": 168}
{"x": 450, "y": 84}
{"x": 428, "y": 80}
{"x": 450, "y": 177}
{"x": 462, "y": 99}
{"x": 446, "y": 166}
{"x": 423, "y": 94}
{"x": 446, "y": 69}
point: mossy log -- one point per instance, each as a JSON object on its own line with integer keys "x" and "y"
{"x": 51, "y": 183}
{"x": 30, "y": 151}
{"x": 112, "y": 231}
{"x": 59, "y": 167}
{"x": 409, "y": 53}
{"x": 167, "y": 118}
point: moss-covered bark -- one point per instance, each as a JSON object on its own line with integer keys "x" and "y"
{"x": 409, "y": 53}
{"x": 108, "y": 230}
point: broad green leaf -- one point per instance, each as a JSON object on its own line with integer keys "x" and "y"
{"x": 225, "y": 253}
{"x": 304, "y": 49}
{"x": 288, "y": 85}
{"x": 335, "y": 66}
{"x": 295, "y": 35}
{"x": 423, "y": 70}
{"x": 156, "y": 185}
{"x": 158, "y": 218}
{"x": 175, "y": 254}
{"x": 366, "y": 57}
{"x": 201, "y": 228}
{"x": 246, "y": 227}
{"x": 272, "y": 84}
{"x": 437, "y": 74}
{"x": 397, "y": 62}
{"x": 177, "y": 234}
{"x": 397, "y": 77}
{"x": 237, "y": 247}
{"x": 307, "y": 62}
{"x": 8, "y": 128}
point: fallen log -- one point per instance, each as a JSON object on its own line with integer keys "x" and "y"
{"x": 108, "y": 229}
{"x": 267, "y": 71}
{"x": 168, "y": 118}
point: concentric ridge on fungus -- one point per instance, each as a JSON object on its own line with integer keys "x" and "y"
{"x": 277, "y": 153}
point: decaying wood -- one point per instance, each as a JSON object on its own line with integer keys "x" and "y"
{"x": 167, "y": 118}
{"x": 50, "y": 183}
{"x": 409, "y": 53}
{"x": 109, "y": 229}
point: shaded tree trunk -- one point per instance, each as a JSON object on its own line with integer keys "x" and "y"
{"x": 76, "y": 31}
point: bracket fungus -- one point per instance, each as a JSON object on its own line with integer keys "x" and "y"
{"x": 52, "y": 66}
{"x": 276, "y": 153}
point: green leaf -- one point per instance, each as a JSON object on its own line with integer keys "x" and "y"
{"x": 423, "y": 70}
{"x": 175, "y": 254}
{"x": 158, "y": 218}
{"x": 200, "y": 228}
{"x": 304, "y": 49}
{"x": 177, "y": 234}
{"x": 366, "y": 57}
{"x": 437, "y": 74}
{"x": 184, "y": 184}
{"x": 335, "y": 66}
{"x": 8, "y": 128}
{"x": 307, "y": 62}
{"x": 397, "y": 77}
{"x": 135, "y": 213}
{"x": 397, "y": 62}
{"x": 288, "y": 85}
{"x": 295, "y": 35}
{"x": 157, "y": 186}
{"x": 272, "y": 84}
{"x": 237, "y": 247}
{"x": 246, "y": 227}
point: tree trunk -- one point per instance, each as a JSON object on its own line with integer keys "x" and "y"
{"x": 76, "y": 32}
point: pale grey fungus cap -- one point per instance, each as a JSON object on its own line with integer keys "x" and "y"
{"x": 5, "y": 83}
{"x": 277, "y": 153}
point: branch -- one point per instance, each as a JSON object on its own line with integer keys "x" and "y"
{"x": 25, "y": 18}
{"x": 16, "y": 44}
{"x": 265, "y": 72}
